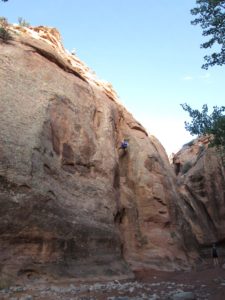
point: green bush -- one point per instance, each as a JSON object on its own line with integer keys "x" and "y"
{"x": 23, "y": 22}
{"x": 4, "y": 22}
{"x": 5, "y": 35}
{"x": 4, "y": 32}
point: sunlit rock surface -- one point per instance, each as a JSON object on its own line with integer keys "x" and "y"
{"x": 72, "y": 203}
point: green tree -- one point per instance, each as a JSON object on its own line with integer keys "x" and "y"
{"x": 210, "y": 15}
{"x": 22, "y": 22}
{"x": 4, "y": 32}
{"x": 203, "y": 123}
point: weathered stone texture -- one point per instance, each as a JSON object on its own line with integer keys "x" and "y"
{"x": 201, "y": 181}
{"x": 71, "y": 202}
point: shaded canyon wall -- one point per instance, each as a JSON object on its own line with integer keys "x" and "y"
{"x": 201, "y": 181}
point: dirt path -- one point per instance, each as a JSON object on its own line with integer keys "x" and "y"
{"x": 210, "y": 281}
{"x": 207, "y": 283}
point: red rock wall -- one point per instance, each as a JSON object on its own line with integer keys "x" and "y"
{"x": 202, "y": 184}
{"x": 72, "y": 203}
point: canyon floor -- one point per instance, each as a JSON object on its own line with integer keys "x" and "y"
{"x": 206, "y": 282}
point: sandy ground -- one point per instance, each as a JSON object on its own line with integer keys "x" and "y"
{"x": 207, "y": 282}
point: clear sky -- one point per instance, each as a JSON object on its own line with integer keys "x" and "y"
{"x": 147, "y": 49}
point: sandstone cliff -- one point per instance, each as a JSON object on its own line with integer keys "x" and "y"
{"x": 72, "y": 203}
{"x": 201, "y": 181}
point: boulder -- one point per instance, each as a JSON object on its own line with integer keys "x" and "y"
{"x": 183, "y": 296}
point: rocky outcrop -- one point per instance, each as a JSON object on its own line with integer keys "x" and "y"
{"x": 72, "y": 203}
{"x": 201, "y": 179}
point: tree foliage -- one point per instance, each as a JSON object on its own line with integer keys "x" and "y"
{"x": 22, "y": 22}
{"x": 210, "y": 15}
{"x": 4, "y": 32}
{"x": 203, "y": 123}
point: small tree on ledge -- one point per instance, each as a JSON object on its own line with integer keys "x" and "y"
{"x": 212, "y": 125}
{"x": 4, "y": 33}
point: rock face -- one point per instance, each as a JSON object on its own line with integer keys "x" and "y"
{"x": 201, "y": 179}
{"x": 72, "y": 203}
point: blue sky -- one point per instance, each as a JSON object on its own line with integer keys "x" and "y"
{"x": 147, "y": 49}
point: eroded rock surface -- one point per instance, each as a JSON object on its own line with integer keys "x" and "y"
{"x": 72, "y": 203}
{"x": 201, "y": 179}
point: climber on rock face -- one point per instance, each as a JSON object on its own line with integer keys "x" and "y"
{"x": 124, "y": 144}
